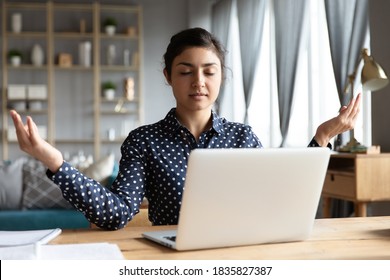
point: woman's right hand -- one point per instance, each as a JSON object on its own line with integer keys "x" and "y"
{"x": 31, "y": 143}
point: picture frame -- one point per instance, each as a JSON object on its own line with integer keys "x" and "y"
{"x": 65, "y": 60}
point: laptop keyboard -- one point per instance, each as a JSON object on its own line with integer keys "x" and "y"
{"x": 172, "y": 238}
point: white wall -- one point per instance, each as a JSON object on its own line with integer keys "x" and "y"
{"x": 161, "y": 20}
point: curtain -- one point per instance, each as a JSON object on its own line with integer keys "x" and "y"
{"x": 347, "y": 27}
{"x": 288, "y": 25}
{"x": 220, "y": 27}
{"x": 251, "y": 20}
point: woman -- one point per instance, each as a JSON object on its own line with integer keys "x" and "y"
{"x": 154, "y": 157}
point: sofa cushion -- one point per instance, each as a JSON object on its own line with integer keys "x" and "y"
{"x": 42, "y": 219}
{"x": 11, "y": 186}
{"x": 39, "y": 192}
{"x": 101, "y": 170}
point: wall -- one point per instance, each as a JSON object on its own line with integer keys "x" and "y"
{"x": 380, "y": 46}
{"x": 161, "y": 20}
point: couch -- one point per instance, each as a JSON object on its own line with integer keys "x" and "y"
{"x": 29, "y": 200}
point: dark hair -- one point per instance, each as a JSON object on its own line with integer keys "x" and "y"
{"x": 193, "y": 37}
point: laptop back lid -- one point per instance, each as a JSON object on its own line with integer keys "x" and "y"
{"x": 239, "y": 197}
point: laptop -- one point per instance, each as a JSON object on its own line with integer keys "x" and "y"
{"x": 237, "y": 197}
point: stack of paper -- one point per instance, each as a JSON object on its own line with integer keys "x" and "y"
{"x": 27, "y": 237}
{"x": 31, "y": 244}
{"x": 19, "y": 245}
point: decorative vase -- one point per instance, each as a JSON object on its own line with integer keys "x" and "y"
{"x": 85, "y": 54}
{"x": 129, "y": 88}
{"x": 109, "y": 94}
{"x": 16, "y": 23}
{"x": 111, "y": 134}
{"x": 110, "y": 29}
{"x": 37, "y": 55}
{"x": 111, "y": 54}
{"x": 126, "y": 57}
{"x": 15, "y": 60}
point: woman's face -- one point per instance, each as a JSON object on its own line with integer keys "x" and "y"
{"x": 196, "y": 78}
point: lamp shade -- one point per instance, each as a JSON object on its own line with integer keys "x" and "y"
{"x": 373, "y": 77}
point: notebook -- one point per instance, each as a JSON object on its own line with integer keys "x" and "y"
{"x": 236, "y": 197}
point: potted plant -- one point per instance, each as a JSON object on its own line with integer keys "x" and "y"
{"x": 110, "y": 25}
{"x": 109, "y": 90}
{"x": 15, "y": 57}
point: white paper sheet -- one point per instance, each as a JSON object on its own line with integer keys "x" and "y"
{"x": 27, "y": 237}
{"x": 84, "y": 251}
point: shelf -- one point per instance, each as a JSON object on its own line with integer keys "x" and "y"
{"x": 74, "y": 141}
{"x": 26, "y": 67}
{"x": 73, "y": 35}
{"x": 119, "y": 68}
{"x": 25, "y": 6}
{"x": 115, "y": 141}
{"x": 32, "y": 112}
{"x": 73, "y": 7}
{"x": 74, "y": 106}
{"x": 117, "y": 99}
{"x": 118, "y": 36}
{"x": 72, "y": 68}
{"x": 23, "y": 35}
{"x": 123, "y": 112}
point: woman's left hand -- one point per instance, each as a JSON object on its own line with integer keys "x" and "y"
{"x": 343, "y": 122}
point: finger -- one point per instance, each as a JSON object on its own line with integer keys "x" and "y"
{"x": 18, "y": 123}
{"x": 33, "y": 130}
{"x": 16, "y": 119}
{"x": 353, "y": 107}
{"x": 356, "y": 105}
{"x": 21, "y": 131}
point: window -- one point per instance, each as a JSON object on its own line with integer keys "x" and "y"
{"x": 315, "y": 94}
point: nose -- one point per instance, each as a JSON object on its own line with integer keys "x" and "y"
{"x": 199, "y": 80}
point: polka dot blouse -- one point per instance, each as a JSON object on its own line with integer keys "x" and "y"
{"x": 153, "y": 165}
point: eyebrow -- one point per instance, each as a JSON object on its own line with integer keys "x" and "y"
{"x": 203, "y": 65}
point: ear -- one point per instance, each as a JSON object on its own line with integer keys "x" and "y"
{"x": 167, "y": 78}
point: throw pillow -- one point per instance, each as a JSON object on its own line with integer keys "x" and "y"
{"x": 39, "y": 192}
{"x": 11, "y": 186}
{"x": 101, "y": 170}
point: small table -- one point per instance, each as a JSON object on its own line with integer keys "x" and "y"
{"x": 360, "y": 178}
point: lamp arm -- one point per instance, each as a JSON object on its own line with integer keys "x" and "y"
{"x": 351, "y": 77}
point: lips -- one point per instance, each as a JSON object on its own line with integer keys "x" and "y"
{"x": 198, "y": 94}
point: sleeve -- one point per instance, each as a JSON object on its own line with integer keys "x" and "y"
{"x": 313, "y": 143}
{"x": 252, "y": 141}
{"x": 111, "y": 208}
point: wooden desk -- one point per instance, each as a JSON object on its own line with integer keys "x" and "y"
{"x": 360, "y": 178}
{"x": 346, "y": 238}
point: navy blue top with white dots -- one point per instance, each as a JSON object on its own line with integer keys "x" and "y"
{"x": 153, "y": 165}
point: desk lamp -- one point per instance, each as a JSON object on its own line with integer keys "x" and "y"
{"x": 373, "y": 78}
